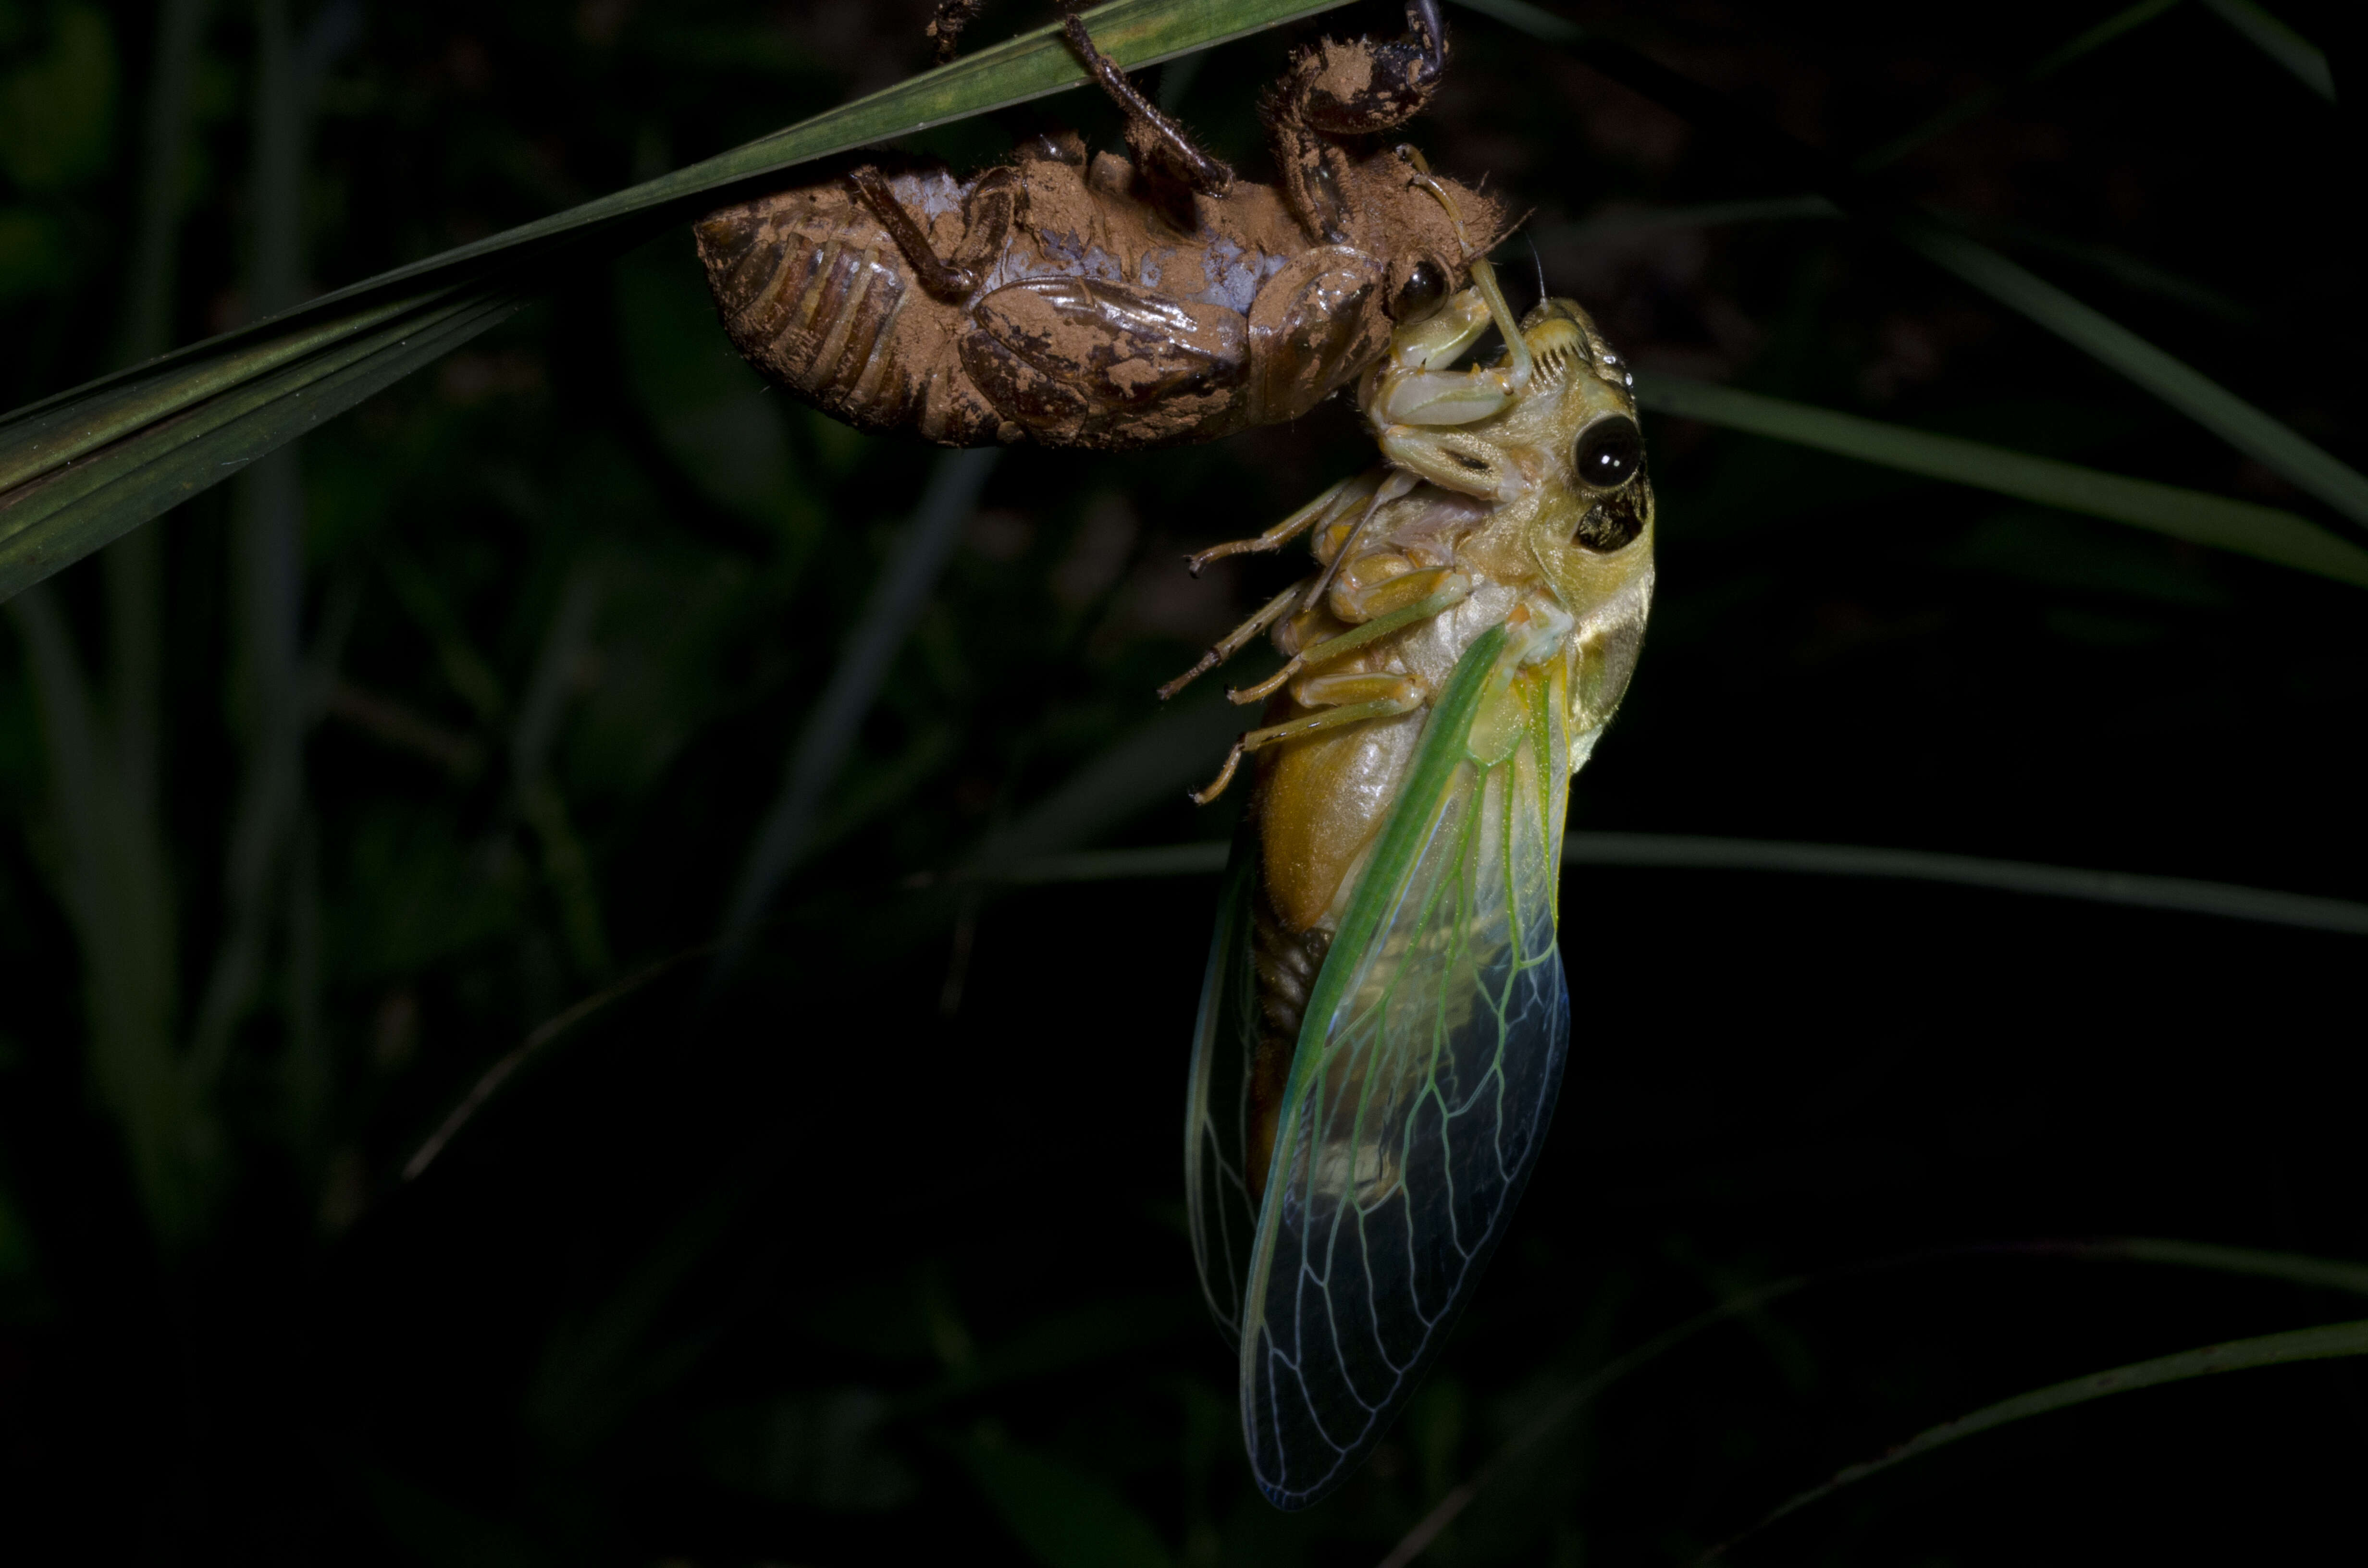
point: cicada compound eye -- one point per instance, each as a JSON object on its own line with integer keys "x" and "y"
{"x": 1423, "y": 291}
{"x": 1608, "y": 452}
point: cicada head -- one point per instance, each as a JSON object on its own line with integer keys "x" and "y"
{"x": 1585, "y": 523}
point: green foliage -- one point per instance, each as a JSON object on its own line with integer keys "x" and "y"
{"x": 1067, "y": 1518}
{"x": 57, "y": 127}
{"x": 84, "y": 468}
{"x": 2332, "y": 1340}
{"x": 2264, "y": 532}
{"x": 382, "y": 1171}
{"x": 57, "y": 107}
{"x": 33, "y": 256}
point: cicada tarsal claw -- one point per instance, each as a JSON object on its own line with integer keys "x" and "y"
{"x": 1233, "y": 641}
{"x": 1330, "y": 503}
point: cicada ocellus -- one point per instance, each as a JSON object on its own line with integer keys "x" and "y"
{"x": 1384, "y": 1019}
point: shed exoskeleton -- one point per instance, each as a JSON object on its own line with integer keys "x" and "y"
{"x": 1112, "y": 302}
{"x": 1385, "y": 1021}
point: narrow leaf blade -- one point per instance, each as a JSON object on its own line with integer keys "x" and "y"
{"x": 159, "y": 433}
{"x": 2242, "y": 426}
{"x": 2264, "y": 532}
{"x": 2324, "y": 1342}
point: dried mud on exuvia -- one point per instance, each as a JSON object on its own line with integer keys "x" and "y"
{"x": 1097, "y": 319}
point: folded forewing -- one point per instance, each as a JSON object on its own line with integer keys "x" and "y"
{"x": 1217, "y": 1109}
{"x": 1423, "y": 1081}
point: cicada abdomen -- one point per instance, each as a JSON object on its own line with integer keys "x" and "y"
{"x": 815, "y": 292}
{"x": 1385, "y": 1019}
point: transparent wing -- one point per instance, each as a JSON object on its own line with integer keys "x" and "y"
{"x": 1423, "y": 1081}
{"x": 1217, "y": 1109}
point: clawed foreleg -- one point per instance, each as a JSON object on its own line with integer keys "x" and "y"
{"x": 1157, "y": 141}
{"x": 945, "y": 279}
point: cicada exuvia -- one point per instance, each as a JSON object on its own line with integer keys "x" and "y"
{"x": 1107, "y": 302}
{"x": 1384, "y": 1019}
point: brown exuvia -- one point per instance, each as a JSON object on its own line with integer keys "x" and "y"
{"x": 1112, "y": 301}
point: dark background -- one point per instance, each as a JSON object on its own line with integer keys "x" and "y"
{"x": 877, "y": 1253}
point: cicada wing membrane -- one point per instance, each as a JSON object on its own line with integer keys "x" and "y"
{"x": 1424, "y": 1078}
{"x": 1217, "y": 1115}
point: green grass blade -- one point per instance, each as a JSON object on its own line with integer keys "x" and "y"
{"x": 58, "y": 518}
{"x": 1687, "y": 851}
{"x": 2280, "y": 43}
{"x": 1065, "y": 1517}
{"x": 1974, "y": 105}
{"x": 2130, "y": 271}
{"x": 2239, "y": 423}
{"x": 2186, "y": 895}
{"x": 2243, "y": 427}
{"x": 155, "y": 245}
{"x": 2244, "y": 526}
{"x": 2324, "y": 1342}
{"x": 2294, "y": 1268}
{"x": 827, "y": 737}
{"x": 270, "y": 382}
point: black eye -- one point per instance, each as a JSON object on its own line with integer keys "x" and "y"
{"x": 1609, "y": 453}
{"x": 1419, "y": 295}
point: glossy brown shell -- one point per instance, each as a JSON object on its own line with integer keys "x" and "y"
{"x": 1096, "y": 323}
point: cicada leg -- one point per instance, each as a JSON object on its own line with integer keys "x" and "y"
{"x": 947, "y": 281}
{"x": 1322, "y": 508}
{"x": 1359, "y": 696}
{"x": 1392, "y": 487}
{"x": 1452, "y": 589}
{"x": 1236, "y": 640}
{"x": 1157, "y": 141}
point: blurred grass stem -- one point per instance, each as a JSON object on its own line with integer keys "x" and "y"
{"x": 2290, "y": 1267}
{"x": 2323, "y": 1343}
{"x": 2250, "y": 430}
{"x": 2265, "y": 533}
{"x": 84, "y": 467}
{"x": 1678, "y": 851}
{"x": 557, "y": 678}
{"x": 1974, "y": 105}
{"x": 2289, "y": 49}
{"x": 110, "y": 867}
{"x": 829, "y": 735}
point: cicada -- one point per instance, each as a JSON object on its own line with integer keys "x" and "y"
{"x": 1385, "y": 1018}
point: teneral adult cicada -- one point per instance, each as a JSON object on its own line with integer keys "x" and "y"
{"x": 1111, "y": 302}
{"x": 1384, "y": 1019}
